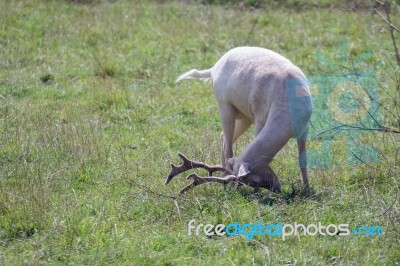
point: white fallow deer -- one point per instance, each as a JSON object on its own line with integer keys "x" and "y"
{"x": 254, "y": 86}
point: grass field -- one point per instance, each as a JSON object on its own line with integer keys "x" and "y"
{"x": 90, "y": 119}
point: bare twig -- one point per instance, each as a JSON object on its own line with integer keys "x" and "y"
{"x": 355, "y": 5}
{"x": 350, "y": 127}
{"x": 366, "y": 91}
{"x": 392, "y": 27}
{"x": 390, "y": 206}
{"x": 251, "y": 31}
{"x": 378, "y": 127}
{"x": 387, "y": 20}
{"x": 131, "y": 180}
{"x": 177, "y": 207}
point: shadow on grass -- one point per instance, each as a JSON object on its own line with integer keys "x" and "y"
{"x": 292, "y": 194}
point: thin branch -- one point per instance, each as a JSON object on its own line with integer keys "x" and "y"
{"x": 391, "y": 26}
{"x": 131, "y": 180}
{"x": 349, "y": 127}
{"x": 355, "y": 5}
{"x": 177, "y": 207}
{"x": 251, "y": 31}
{"x": 370, "y": 97}
{"x": 390, "y": 206}
{"x": 386, "y": 20}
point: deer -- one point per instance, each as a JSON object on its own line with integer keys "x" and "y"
{"x": 254, "y": 85}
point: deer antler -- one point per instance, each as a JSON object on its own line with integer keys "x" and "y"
{"x": 252, "y": 180}
{"x": 197, "y": 180}
{"x": 188, "y": 164}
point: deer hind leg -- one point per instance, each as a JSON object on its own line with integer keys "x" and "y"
{"x": 229, "y": 117}
{"x": 302, "y": 147}
{"x": 241, "y": 125}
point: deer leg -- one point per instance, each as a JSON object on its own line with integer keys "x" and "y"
{"x": 252, "y": 164}
{"x": 241, "y": 125}
{"x": 227, "y": 114}
{"x": 302, "y": 148}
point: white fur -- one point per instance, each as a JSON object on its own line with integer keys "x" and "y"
{"x": 250, "y": 88}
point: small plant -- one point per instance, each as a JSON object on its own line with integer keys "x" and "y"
{"x": 47, "y": 78}
{"x": 106, "y": 72}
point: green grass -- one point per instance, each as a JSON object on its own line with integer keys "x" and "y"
{"x": 90, "y": 119}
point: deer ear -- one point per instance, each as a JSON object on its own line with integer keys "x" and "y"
{"x": 244, "y": 169}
